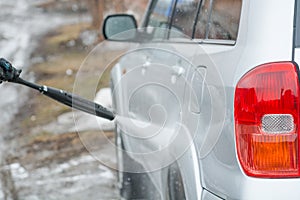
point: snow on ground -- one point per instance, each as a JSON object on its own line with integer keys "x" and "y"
{"x": 81, "y": 177}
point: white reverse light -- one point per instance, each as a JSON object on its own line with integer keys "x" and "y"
{"x": 278, "y": 123}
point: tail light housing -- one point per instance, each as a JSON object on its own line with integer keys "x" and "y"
{"x": 266, "y": 111}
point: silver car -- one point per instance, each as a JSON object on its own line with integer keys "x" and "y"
{"x": 208, "y": 100}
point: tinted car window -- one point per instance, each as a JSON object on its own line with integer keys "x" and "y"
{"x": 215, "y": 19}
{"x": 160, "y": 14}
{"x": 202, "y": 20}
{"x": 224, "y": 19}
{"x": 185, "y": 15}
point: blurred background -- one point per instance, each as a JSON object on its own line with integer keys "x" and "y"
{"x": 41, "y": 154}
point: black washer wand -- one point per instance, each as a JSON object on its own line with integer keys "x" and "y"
{"x": 10, "y": 74}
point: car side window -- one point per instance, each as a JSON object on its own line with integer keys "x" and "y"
{"x": 200, "y": 30}
{"x": 213, "y": 19}
{"x": 184, "y": 16}
{"x": 161, "y": 13}
{"x": 223, "y": 19}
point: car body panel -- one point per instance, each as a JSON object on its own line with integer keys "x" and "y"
{"x": 204, "y": 116}
{"x": 257, "y": 44}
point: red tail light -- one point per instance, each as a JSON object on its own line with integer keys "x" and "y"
{"x": 267, "y": 121}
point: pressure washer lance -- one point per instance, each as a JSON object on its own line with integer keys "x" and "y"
{"x": 10, "y": 74}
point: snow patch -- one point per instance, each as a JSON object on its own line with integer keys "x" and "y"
{"x": 18, "y": 171}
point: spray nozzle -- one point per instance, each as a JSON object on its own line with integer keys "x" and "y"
{"x": 8, "y": 72}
